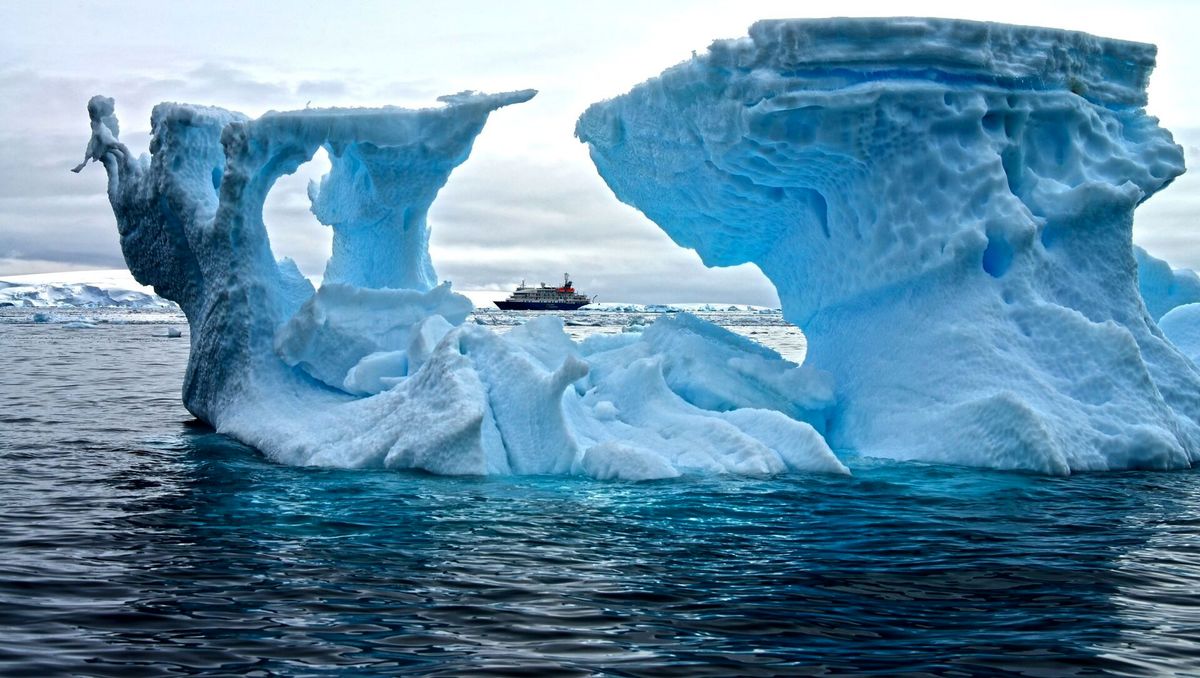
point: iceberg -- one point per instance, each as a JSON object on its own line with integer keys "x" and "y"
{"x": 377, "y": 367}
{"x": 945, "y": 209}
{"x": 1172, "y": 297}
{"x": 1162, "y": 287}
{"x": 1181, "y": 325}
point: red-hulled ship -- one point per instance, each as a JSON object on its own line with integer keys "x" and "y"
{"x": 545, "y": 298}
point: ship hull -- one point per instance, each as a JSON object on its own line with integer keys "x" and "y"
{"x": 539, "y": 306}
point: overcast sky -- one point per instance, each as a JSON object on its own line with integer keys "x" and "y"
{"x": 528, "y": 203}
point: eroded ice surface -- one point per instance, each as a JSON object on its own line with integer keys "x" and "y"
{"x": 377, "y": 369}
{"x": 945, "y": 210}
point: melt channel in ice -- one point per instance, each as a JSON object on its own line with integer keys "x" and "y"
{"x": 945, "y": 209}
{"x": 377, "y": 368}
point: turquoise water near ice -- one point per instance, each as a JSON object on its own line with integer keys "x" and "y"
{"x": 136, "y": 541}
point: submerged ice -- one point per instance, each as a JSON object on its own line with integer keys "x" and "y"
{"x": 945, "y": 209}
{"x": 377, "y": 368}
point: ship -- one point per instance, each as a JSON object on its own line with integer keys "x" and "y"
{"x": 545, "y": 298}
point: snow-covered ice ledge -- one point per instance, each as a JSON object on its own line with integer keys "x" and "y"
{"x": 945, "y": 208}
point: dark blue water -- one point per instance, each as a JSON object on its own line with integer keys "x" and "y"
{"x": 135, "y": 542}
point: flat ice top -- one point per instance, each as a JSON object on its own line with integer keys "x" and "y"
{"x": 497, "y": 100}
{"x": 392, "y": 124}
{"x": 1024, "y": 57}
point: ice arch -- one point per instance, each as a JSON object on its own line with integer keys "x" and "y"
{"x": 945, "y": 208}
{"x": 377, "y": 367}
{"x": 190, "y": 216}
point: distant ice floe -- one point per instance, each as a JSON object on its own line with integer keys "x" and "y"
{"x": 79, "y": 289}
{"x": 377, "y": 367}
{"x": 945, "y": 210}
{"x": 703, "y": 307}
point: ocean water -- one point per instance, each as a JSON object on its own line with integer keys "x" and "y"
{"x": 135, "y": 541}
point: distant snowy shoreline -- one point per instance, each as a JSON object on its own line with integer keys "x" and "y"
{"x": 116, "y": 288}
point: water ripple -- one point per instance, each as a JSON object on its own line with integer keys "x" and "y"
{"x": 137, "y": 542}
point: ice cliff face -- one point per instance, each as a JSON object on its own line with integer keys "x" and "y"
{"x": 945, "y": 209}
{"x": 376, "y": 369}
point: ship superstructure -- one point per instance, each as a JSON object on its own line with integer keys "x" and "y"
{"x": 545, "y": 298}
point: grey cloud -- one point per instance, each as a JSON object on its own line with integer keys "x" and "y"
{"x": 507, "y": 213}
{"x": 295, "y": 233}
{"x": 22, "y": 265}
{"x": 499, "y": 218}
{"x": 498, "y": 202}
{"x": 1168, "y": 224}
{"x": 407, "y": 90}
{"x": 82, "y": 242}
{"x": 48, "y": 214}
{"x": 321, "y": 89}
{"x": 35, "y": 168}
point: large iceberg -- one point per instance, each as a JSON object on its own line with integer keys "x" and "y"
{"x": 377, "y": 368}
{"x": 1181, "y": 325}
{"x": 1162, "y": 287}
{"x": 945, "y": 209}
{"x": 1172, "y": 296}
